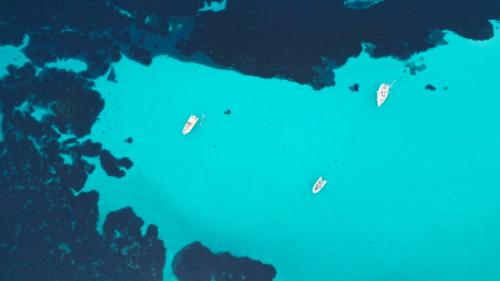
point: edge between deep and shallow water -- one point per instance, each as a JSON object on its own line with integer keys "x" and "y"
{"x": 250, "y": 194}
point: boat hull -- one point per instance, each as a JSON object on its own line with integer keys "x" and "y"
{"x": 319, "y": 185}
{"x": 193, "y": 119}
{"x": 382, "y": 93}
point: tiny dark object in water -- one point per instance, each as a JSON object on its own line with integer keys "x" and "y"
{"x": 414, "y": 67}
{"x": 354, "y": 88}
{"x": 112, "y": 75}
{"x": 445, "y": 88}
{"x": 227, "y": 111}
{"x": 430, "y": 87}
{"x": 129, "y": 140}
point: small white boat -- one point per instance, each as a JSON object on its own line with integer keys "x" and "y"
{"x": 193, "y": 119}
{"x": 383, "y": 93}
{"x": 320, "y": 183}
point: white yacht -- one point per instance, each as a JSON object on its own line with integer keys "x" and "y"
{"x": 193, "y": 119}
{"x": 383, "y": 93}
{"x": 320, "y": 183}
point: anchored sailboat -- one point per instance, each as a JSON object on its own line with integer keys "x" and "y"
{"x": 193, "y": 119}
{"x": 320, "y": 183}
{"x": 383, "y": 93}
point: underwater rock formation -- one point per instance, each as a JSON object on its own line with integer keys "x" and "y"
{"x": 304, "y": 40}
{"x": 415, "y": 67}
{"x": 354, "y": 87}
{"x": 113, "y": 166}
{"x": 430, "y": 87}
{"x": 196, "y": 262}
{"x": 49, "y": 229}
{"x": 253, "y": 37}
{"x": 112, "y": 75}
{"x": 100, "y": 34}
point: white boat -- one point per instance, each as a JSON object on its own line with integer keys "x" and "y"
{"x": 320, "y": 183}
{"x": 383, "y": 93}
{"x": 193, "y": 119}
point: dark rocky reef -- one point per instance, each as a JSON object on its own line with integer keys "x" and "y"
{"x": 138, "y": 257}
{"x": 113, "y": 166}
{"x": 196, "y": 262}
{"x": 354, "y": 87}
{"x": 97, "y": 32}
{"x": 415, "y": 67}
{"x": 112, "y": 75}
{"x": 430, "y": 87}
{"x": 303, "y": 42}
{"x": 48, "y": 225}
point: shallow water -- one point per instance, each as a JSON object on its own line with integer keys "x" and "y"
{"x": 412, "y": 187}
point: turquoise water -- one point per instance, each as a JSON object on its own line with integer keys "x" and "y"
{"x": 10, "y": 55}
{"x": 413, "y": 187}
